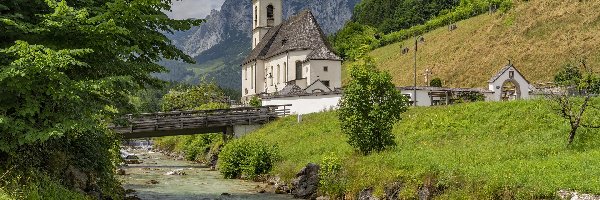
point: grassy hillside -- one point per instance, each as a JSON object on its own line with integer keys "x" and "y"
{"x": 475, "y": 151}
{"x": 538, "y": 36}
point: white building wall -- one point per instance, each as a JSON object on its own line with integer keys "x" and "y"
{"x": 333, "y": 73}
{"x": 306, "y": 104}
{"x": 423, "y": 98}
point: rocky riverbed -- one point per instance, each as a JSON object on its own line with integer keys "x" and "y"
{"x": 154, "y": 175}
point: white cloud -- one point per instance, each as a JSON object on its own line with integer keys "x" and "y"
{"x": 184, "y": 9}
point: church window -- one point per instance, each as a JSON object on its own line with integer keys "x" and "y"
{"x": 271, "y": 75}
{"x": 252, "y": 77}
{"x": 325, "y": 69}
{"x": 270, "y": 18}
{"x": 278, "y": 74}
{"x": 255, "y": 16}
{"x": 298, "y": 70}
{"x": 245, "y": 73}
{"x": 285, "y": 72}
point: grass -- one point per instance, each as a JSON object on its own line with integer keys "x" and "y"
{"x": 471, "y": 151}
{"x": 538, "y": 36}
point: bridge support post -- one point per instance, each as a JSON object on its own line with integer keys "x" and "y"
{"x": 228, "y": 133}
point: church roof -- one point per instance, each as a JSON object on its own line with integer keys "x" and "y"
{"x": 503, "y": 70}
{"x": 300, "y": 32}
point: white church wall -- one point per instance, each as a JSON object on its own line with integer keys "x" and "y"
{"x": 333, "y": 73}
{"x": 307, "y": 104}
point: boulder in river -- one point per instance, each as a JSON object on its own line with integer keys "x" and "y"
{"x": 306, "y": 183}
{"x": 121, "y": 172}
{"x": 177, "y": 172}
{"x": 152, "y": 182}
{"x": 132, "y": 157}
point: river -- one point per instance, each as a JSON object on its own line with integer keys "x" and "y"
{"x": 149, "y": 180}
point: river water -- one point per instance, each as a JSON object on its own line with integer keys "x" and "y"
{"x": 150, "y": 181}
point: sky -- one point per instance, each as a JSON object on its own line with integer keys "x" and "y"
{"x": 184, "y": 9}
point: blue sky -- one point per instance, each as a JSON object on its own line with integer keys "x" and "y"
{"x": 184, "y": 9}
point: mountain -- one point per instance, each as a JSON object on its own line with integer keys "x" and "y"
{"x": 539, "y": 37}
{"x": 220, "y": 44}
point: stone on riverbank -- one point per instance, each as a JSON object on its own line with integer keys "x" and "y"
{"x": 306, "y": 182}
{"x": 366, "y": 194}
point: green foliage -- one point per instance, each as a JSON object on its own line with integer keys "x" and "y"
{"x": 470, "y": 97}
{"x": 369, "y": 108}
{"x": 247, "y": 158}
{"x": 255, "y": 101}
{"x": 41, "y": 188}
{"x": 436, "y": 82}
{"x": 349, "y": 40}
{"x": 483, "y": 150}
{"x": 200, "y": 145}
{"x": 392, "y": 15}
{"x": 206, "y": 95}
{"x": 66, "y": 70}
{"x": 569, "y": 75}
{"x": 331, "y": 178}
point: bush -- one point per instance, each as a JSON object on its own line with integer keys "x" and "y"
{"x": 370, "y": 107}
{"x": 247, "y": 158}
{"x": 332, "y": 180}
{"x": 436, "y": 82}
{"x": 198, "y": 146}
{"x": 255, "y": 102}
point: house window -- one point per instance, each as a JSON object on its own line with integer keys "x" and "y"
{"x": 326, "y": 83}
{"x": 298, "y": 70}
{"x": 325, "y": 69}
{"x": 278, "y": 74}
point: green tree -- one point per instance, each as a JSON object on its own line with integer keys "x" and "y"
{"x": 370, "y": 107}
{"x": 575, "y": 101}
{"x": 66, "y": 69}
{"x": 348, "y": 41}
{"x": 205, "y": 96}
{"x": 436, "y": 82}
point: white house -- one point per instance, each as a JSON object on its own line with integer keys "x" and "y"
{"x": 288, "y": 53}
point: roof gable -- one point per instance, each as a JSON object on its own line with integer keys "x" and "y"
{"x": 300, "y": 32}
{"x": 504, "y": 70}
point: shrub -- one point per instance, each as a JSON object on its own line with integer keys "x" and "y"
{"x": 332, "y": 181}
{"x": 255, "y": 102}
{"x": 370, "y": 107}
{"x": 436, "y": 82}
{"x": 247, "y": 158}
{"x": 198, "y": 146}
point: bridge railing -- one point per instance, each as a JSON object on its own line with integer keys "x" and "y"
{"x": 178, "y": 120}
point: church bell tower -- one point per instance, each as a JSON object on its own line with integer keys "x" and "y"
{"x": 265, "y": 15}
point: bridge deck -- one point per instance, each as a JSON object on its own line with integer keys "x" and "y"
{"x": 197, "y": 122}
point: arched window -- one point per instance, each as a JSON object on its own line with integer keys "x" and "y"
{"x": 270, "y": 18}
{"x": 271, "y": 75}
{"x": 285, "y": 72}
{"x": 298, "y": 70}
{"x": 278, "y": 74}
{"x": 255, "y": 16}
{"x": 270, "y": 9}
{"x": 252, "y": 77}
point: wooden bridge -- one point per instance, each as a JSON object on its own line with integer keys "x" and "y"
{"x": 197, "y": 122}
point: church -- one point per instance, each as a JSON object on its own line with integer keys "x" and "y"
{"x": 291, "y": 55}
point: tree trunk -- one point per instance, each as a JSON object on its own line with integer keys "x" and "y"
{"x": 572, "y": 134}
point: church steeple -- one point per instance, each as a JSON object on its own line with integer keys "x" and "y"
{"x": 265, "y": 14}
